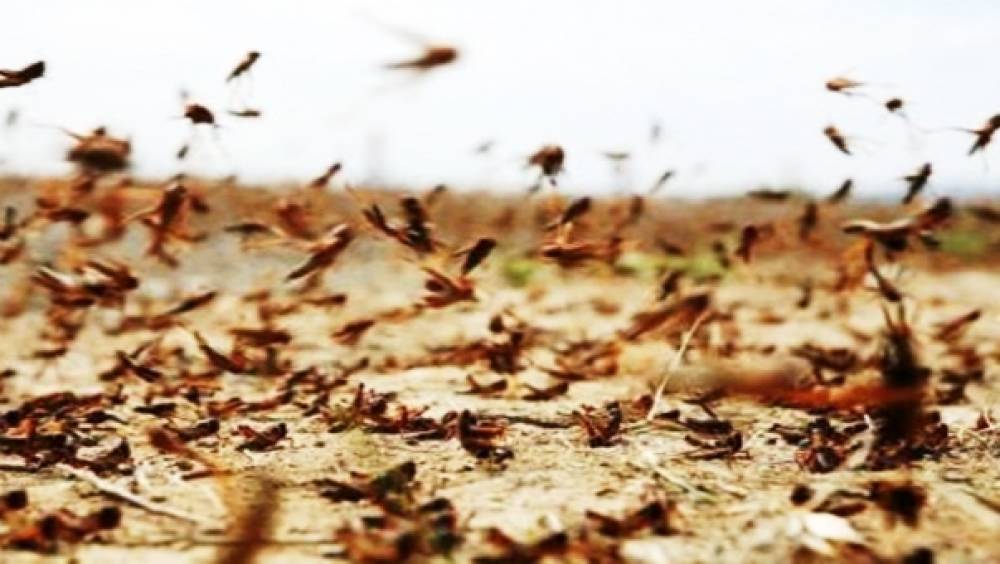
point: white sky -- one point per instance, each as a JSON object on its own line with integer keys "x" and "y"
{"x": 736, "y": 86}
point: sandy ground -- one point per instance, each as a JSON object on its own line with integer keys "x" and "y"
{"x": 729, "y": 509}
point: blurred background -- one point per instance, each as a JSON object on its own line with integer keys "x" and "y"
{"x": 729, "y": 95}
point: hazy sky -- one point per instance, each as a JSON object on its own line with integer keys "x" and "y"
{"x": 736, "y": 86}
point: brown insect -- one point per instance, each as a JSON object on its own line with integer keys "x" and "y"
{"x": 984, "y": 213}
{"x": 895, "y": 235}
{"x": 325, "y": 252}
{"x": 11, "y": 251}
{"x": 553, "y": 546}
{"x": 569, "y": 254}
{"x": 434, "y": 195}
{"x": 99, "y": 151}
{"x": 840, "y": 502}
{"x": 443, "y": 290}
{"x": 822, "y": 448}
{"x": 905, "y": 431}
{"x": 405, "y": 531}
{"x": 217, "y": 359}
{"x": 549, "y": 159}
{"x": 164, "y": 221}
{"x": 52, "y": 212}
{"x": 261, "y": 337}
{"x": 10, "y": 224}
{"x": 669, "y": 284}
{"x": 415, "y": 234}
{"x": 636, "y": 208}
{"x": 476, "y": 254}
{"x": 246, "y": 113}
{"x": 251, "y": 228}
{"x": 350, "y": 334}
{"x": 843, "y": 85}
{"x": 322, "y": 180}
{"x": 748, "y": 237}
{"x": 894, "y": 104}
{"x": 953, "y": 329}
{"x": 934, "y": 215}
{"x": 616, "y": 156}
{"x": 837, "y": 138}
{"x": 808, "y": 220}
{"x": 479, "y": 436}
{"x": 712, "y": 448}
{"x": 495, "y": 387}
{"x": 329, "y": 300}
{"x": 602, "y": 434}
{"x": 197, "y": 431}
{"x": 294, "y": 220}
{"x": 396, "y": 480}
{"x": 574, "y": 210}
{"x": 680, "y": 313}
{"x": 266, "y": 439}
{"x": 191, "y": 303}
{"x": 433, "y": 56}
{"x": 899, "y": 500}
{"x": 842, "y": 193}
{"x": 244, "y": 65}
{"x": 169, "y": 441}
{"x": 670, "y": 248}
{"x": 117, "y": 273}
{"x": 162, "y": 409}
{"x": 547, "y": 393}
{"x": 44, "y": 534}
{"x": 142, "y": 371}
{"x": 655, "y": 516}
{"x": 68, "y": 291}
{"x": 886, "y": 288}
{"x": 770, "y": 195}
{"x": 661, "y": 181}
{"x": 984, "y": 134}
{"x": 372, "y": 409}
{"x": 199, "y": 115}
{"x": 13, "y": 500}
{"x": 805, "y": 299}
{"x": 12, "y": 78}
{"x": 917, "y": 181}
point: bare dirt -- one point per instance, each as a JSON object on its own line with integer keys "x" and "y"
{"x": 724, "y": 506}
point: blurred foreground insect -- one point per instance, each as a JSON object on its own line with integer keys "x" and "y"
{"x": 12, "y": 78}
